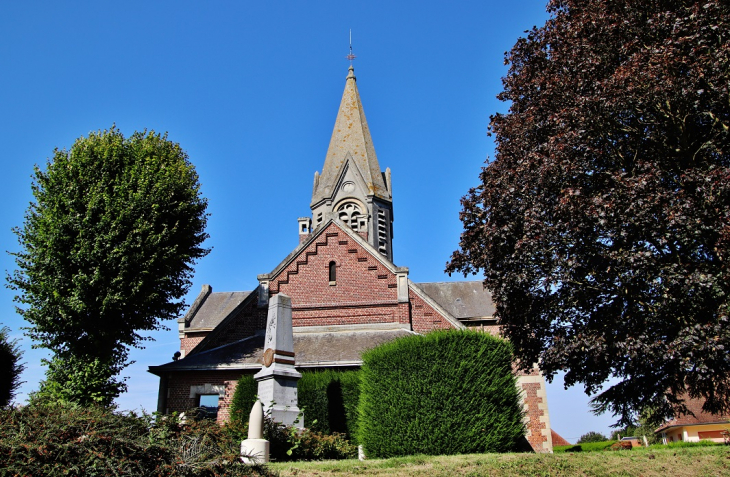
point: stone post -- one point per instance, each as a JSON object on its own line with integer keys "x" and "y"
{"x": 255, "y": 449}
{"x": 277, "y": 380}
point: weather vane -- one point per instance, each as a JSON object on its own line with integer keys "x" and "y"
{"x": 351, "y": 56}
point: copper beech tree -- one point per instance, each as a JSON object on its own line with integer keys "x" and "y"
{"x": 602, "y": 226}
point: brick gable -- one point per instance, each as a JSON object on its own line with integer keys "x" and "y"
{"x": 364, "y": 291}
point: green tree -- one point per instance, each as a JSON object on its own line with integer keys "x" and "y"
{"x": 602, "y": 225}
{"x": 107, "y": 253}
{"x": 10, "y": 366}
{"x": 591, "y": 436}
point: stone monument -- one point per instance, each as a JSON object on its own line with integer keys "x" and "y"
{"x": 277, "y": 380}
{"x": 255, "y": 449}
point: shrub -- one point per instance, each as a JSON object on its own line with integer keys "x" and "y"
{"x": 329, "y": 399}
{"x": 55, "y": 438}
{"x": 447, "y": 392}
{"x": 10, "y": 367}
{"x": 592, "y": 437}
{"x": 241, "y": 404}
{"x": 289, "y": 443}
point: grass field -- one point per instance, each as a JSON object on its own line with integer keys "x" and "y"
{"x": 674, "y": 462}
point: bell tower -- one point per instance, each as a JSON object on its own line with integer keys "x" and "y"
{"x": 351, "y": 187}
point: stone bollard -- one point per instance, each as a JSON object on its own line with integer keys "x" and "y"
{"x": 255, "y": 449}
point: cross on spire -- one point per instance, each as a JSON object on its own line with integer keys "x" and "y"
{"x": 351, "y": 56}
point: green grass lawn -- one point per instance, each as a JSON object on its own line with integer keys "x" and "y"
{"x": 667, "y": 461}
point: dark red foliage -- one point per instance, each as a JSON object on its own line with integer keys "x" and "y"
{"x": 603, "y": 223}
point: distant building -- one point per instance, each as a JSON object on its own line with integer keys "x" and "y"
{"x": 696, "y": 426}
{"x": 347, "y": 294}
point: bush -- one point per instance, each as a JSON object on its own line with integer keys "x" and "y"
{"x": 289, "y": 443}
{"x": 54, "y": 438}
{"x": 243, "y": 399}
{"x": 10, "y": 367}
{"x": 447, "y": 392}
{"x": 592, "y": 437}
{"x": 329, "y": 400}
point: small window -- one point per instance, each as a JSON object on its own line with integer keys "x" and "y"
{"x": 208, "y": 406}
{"x": 333, "y": 272}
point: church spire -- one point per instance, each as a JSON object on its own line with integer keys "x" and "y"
{"x": 351, "y": 186}
{"x": 350, "y": 138}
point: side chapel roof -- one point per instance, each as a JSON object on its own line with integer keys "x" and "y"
{"x": 210, "y": 309}
{"x": 320, "y": 348}
{"x": 463, "y": 300}
{"x": 350, "y": 137}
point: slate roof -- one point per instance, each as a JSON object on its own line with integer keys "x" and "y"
{"x": 322, "y": 347}
{"x": 700, "y": 417}
{"x": 210, "y": 309}
{"x": 463, "y": 300}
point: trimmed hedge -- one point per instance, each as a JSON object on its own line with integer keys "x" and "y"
{"x": 243, "y": 399}
{"x": 329, "y": 400}
{"x": 448, "y": 392}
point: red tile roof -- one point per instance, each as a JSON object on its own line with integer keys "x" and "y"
{"x": 558, "y": 440}
{"x": 700, "y": 417}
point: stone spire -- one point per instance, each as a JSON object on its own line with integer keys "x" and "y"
{"x": 350, "y": 136}
{"x": 352, "y": 188}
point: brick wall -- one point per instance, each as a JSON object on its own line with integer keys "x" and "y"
{"x": 537, "y": 419}
{"x": 179, "y": 398}
{"x": 424, "y": 318}
{"x": 364, "y": 291}
{"x": 191, "y": 340}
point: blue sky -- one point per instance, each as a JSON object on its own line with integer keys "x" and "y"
{"x": 250, "y": 90}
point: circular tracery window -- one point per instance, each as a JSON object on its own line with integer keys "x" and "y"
{"x": 351, "y": 215}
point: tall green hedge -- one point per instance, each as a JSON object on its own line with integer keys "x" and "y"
{"x": 243, "y": 399}
{"x": 329, "y": 399}
{"x": 448, "y": 392}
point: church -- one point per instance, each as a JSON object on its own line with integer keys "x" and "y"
{"x": 347, "y": 295}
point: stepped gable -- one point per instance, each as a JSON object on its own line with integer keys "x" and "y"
{"x": 336, "y": 277}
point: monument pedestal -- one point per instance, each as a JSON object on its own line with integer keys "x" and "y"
{"x": 278, "y": 393}
{"x": 277, "y": 380}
